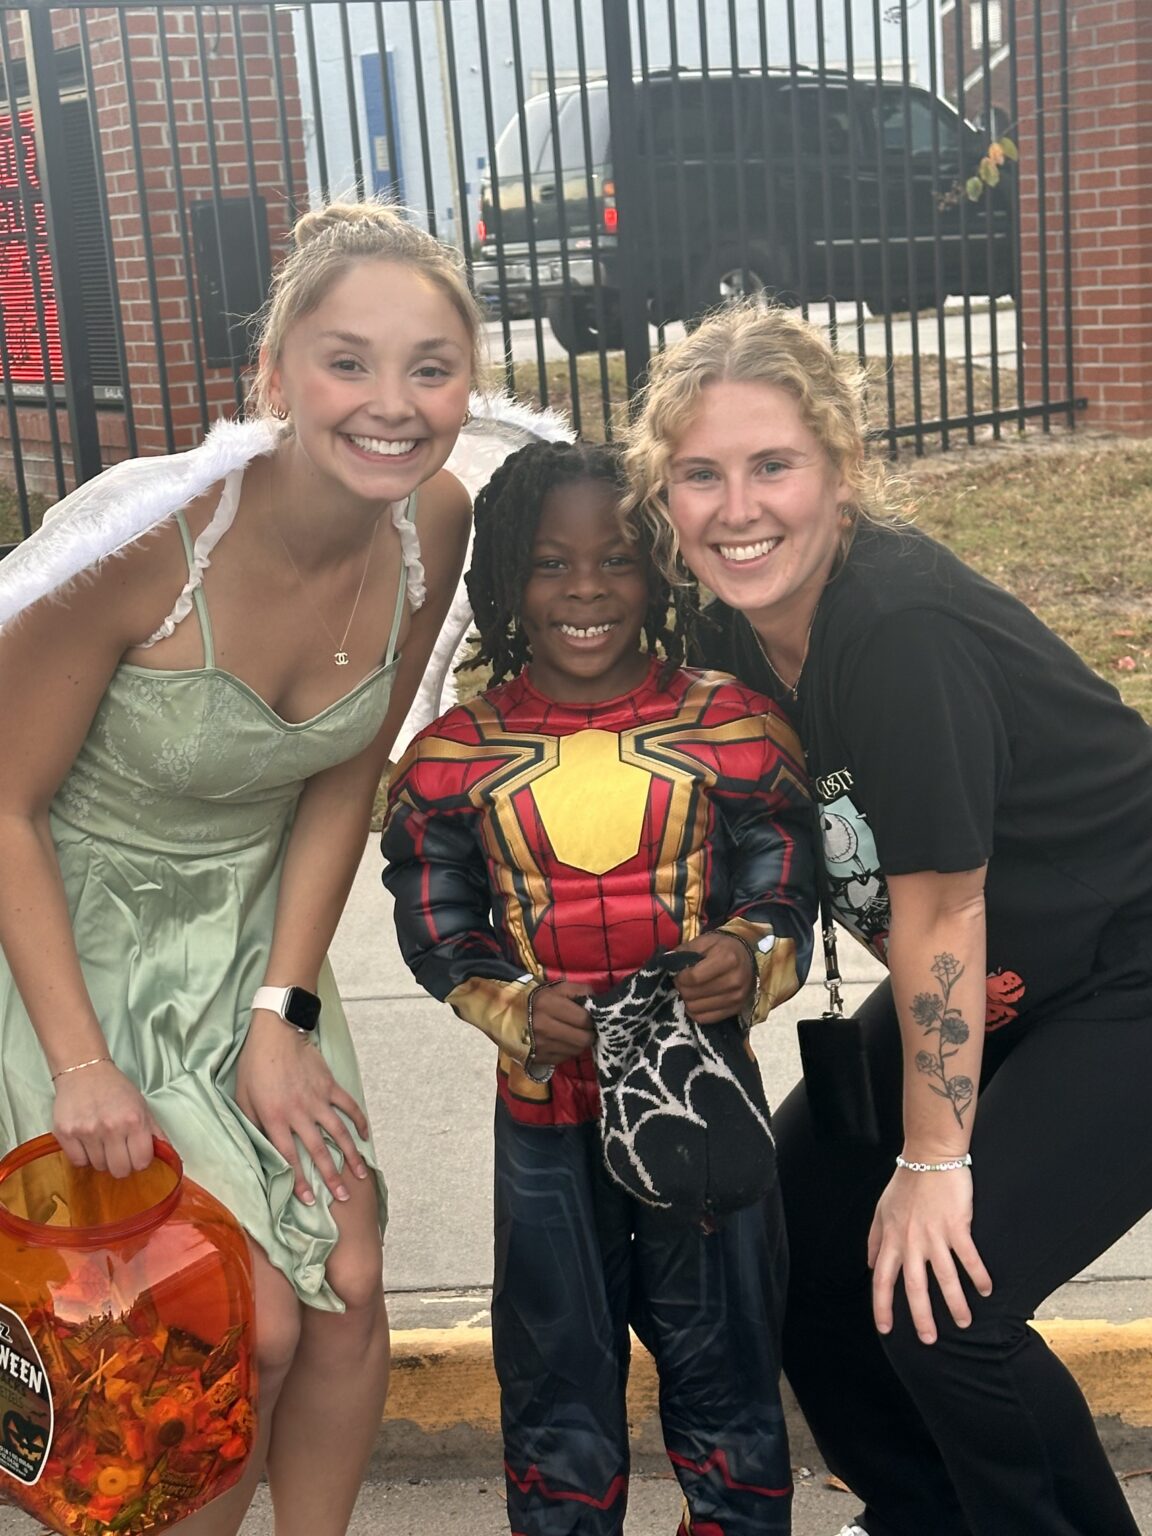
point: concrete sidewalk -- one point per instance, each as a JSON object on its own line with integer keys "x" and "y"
{"x": 430, "y": 1094}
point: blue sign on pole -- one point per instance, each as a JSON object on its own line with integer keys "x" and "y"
{"x": 383, "y": 137}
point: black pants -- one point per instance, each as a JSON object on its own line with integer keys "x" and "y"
{"x": 577, "y": 1261}
{"x": 983, "y": 1433}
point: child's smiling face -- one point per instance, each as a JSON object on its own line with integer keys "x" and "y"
{"x": 585, "y": 599}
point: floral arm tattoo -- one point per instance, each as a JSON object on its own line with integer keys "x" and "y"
{"x": 932, "y": 1012}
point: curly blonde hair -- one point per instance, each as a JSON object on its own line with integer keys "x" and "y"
{"x": 327, "y": 243}
{"x": 754, "y": 343}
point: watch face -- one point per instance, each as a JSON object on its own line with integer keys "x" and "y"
{"x": 302, "y": 1008}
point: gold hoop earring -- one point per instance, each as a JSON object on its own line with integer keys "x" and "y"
{"x": 468, "y": 418}
{"x": 280, "y": 412}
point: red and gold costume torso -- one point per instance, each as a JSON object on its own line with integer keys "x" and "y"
{"x": 529, "y": 840}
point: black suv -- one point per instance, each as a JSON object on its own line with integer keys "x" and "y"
{"x": 806, "y": 184}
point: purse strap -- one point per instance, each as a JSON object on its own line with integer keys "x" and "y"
{"x": 832, "y": 978}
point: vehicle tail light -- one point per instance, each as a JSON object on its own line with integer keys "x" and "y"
{"x": 609, "y": 216}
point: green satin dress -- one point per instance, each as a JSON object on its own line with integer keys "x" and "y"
{"x": 171, "y": 830}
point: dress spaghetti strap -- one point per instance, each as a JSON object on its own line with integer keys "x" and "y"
{"x": 198, "y": 598}
{"x": 199, "y": 558}
{"x": 411, "y": 570}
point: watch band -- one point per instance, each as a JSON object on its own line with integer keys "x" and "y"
{"x": 295, "y": 1005}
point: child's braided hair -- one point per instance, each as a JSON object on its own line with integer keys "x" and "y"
{"x": 507, "y": 514}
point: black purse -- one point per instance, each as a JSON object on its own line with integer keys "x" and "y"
{"x": 837, "y": 1075}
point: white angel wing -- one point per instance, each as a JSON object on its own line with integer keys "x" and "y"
{"x": 105, "y": 514}
{"x": 498, "y": 427}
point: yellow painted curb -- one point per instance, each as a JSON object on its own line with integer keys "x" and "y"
{"x": 443, "y": 1377}
{"x": 1111, "y": 1361}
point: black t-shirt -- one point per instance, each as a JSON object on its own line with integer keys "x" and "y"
{"x": 946, "y": 726}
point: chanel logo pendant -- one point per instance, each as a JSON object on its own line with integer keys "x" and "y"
{"x": 339, "y": 655}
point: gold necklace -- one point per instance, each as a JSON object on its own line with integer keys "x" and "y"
{"x": 791, "y": 689}
{"x": 340, "y": 654}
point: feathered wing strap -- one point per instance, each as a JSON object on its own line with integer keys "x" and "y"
{"x": 105, "y": 515}
{"x": 499, "y": 426}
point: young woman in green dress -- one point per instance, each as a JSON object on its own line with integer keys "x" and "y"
{"x": 193, "y": 735}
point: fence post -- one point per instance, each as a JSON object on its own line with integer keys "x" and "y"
{"x": 55, "y": 185}
{"x": 624, "y": 126}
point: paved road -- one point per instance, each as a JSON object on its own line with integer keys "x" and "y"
{"x": 927, "y": 336}
{"x": 455, "y": 1506}
{"x": 475, "y": 1507}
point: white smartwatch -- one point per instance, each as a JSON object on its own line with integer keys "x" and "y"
{"x": 295, "y": 1006}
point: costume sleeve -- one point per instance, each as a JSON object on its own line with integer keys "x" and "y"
{"x": 930, "y": 720}
{"x": 770, "y": 831}
{"x": 436, "y": 871}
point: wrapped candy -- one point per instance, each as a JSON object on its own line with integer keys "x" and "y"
{"x": 127, "y": 1377}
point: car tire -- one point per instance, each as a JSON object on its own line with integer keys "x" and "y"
{"x": 730, "y": 275}
{"x": 573, "y": 322}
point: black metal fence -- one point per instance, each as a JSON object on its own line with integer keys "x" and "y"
{"x": 609, "y": 169}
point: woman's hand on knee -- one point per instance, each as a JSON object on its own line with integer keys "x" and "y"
{"x": 102, "y": 1120}
{"x": 923, "y": 1229}
{"x": 286, "y": 1088}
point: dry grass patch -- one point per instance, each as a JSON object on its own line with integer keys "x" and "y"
{"x": 898, "y": 395}
{"x": 1065, "y": 523}
{"x": 11, "y": 527}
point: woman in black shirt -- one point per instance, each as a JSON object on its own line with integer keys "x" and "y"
{"x": 986, "y": 810}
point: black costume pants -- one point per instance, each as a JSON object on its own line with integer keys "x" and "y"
{"x": 577, "y": 1261}
{"x": 983, "y": 1433}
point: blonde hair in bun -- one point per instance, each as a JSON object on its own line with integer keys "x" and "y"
{"x": 327, "y": 243}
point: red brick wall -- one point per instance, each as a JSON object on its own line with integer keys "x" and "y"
{"x": 1109, "y": 210}
{"x": 170, "y": 331}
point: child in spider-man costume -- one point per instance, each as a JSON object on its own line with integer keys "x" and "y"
{"x": 543, "y": 841}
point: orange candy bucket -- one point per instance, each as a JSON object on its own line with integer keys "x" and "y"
{"x": 127, "y": 1360}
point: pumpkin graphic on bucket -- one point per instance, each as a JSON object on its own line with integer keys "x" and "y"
{"x": 127, "y": 1385}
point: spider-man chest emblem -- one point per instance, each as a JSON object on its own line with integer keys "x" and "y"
{"x": 591, "y": 804}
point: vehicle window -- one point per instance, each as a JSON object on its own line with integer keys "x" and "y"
{"x": 690, "y": 119}
{"x": 509, "y": 160}
{"x": 572, "y": 132}
{"x": 811, "y": 106}
{"x": 924, "y": 111}
{"x": 919, "y": 121}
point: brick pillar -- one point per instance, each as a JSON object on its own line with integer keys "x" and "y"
{"x": 156, "y": 189}
{"x": 228, "y": 76}
{"x": 1109, "y": 208}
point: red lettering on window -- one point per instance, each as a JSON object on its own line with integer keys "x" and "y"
{"x": 24, "y": 241}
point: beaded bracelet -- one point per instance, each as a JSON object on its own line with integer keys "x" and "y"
{"x": 79, "y": 1067}
{"x": 948, "y": 1167}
